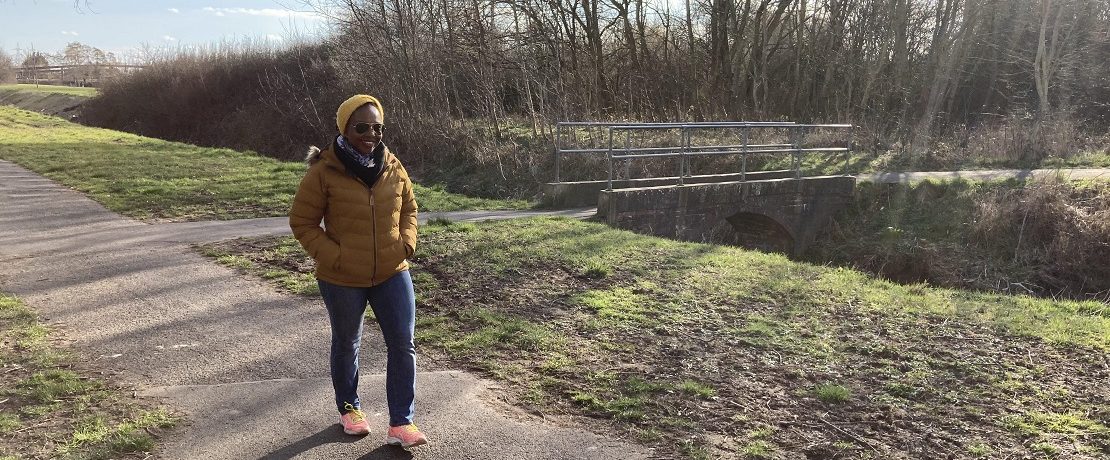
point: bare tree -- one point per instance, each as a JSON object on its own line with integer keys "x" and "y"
{"x": 911, "y": 67}
{"x": 1054, "y": 38}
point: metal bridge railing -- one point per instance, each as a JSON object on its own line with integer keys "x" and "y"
{"x": 687, "y": 149}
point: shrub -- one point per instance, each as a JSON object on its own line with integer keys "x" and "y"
{"x": 7, "y": 68}
{"x": 279, "y": 102}
{"x": 270, "y": 101}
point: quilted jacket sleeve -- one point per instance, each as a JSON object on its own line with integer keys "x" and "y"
{"x": 407, "y": 222}
{"x": 309, "y": 205}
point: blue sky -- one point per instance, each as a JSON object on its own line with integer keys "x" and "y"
{"x": 124, "y": 26}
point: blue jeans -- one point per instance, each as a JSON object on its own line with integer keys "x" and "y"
{"x": 394, "y": 304}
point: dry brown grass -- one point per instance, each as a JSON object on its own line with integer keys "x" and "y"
{"x": 1022, "y": 139}
{"x": 1048, "y": 238}
{"x": 1015, "y": 140}
{"x": 1061, "y": 229}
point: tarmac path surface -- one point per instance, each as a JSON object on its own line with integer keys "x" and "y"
{"x": 986, "y": 174}
{"x": 246, "y": 363}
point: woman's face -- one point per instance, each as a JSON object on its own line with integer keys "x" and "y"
{"x": 368, "y": 120}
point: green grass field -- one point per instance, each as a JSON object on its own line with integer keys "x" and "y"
{"x": 71, "y": 90}
{"x": 153, "y": 179}
{"x": 53, "y": 409}
{"x": 705, "y": 351}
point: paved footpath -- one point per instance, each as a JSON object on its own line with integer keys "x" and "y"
{"x": 986, "y": 174}
{"x": 245, "y": 362}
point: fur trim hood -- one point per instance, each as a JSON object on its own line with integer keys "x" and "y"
{"x": 313, "y": 155}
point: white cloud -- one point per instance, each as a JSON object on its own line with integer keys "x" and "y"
{"x": 169, "y": 38}
{"x": 276, "y": 38}
{"x": 173, "y": 10}
{"x": 69, "y": 32}
{"x": 271, "y": 12}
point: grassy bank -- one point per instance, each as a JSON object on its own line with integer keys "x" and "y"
{"x": 60, "y": 101}
{"x": 715, "y": 352}
{"x": 51, "y": 89}
{"x": 153, "y": 179}
{"x": 1044, "y": 237}
{"x": 52, "y": 408}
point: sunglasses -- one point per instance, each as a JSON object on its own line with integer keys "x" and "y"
{"x": 362, "y": 128}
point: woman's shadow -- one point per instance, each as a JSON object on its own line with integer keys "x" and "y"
{"x": 333, "y": 435}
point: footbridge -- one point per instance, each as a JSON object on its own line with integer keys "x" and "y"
{"x": 762, "y": 200}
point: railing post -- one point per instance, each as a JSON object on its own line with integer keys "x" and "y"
{"x": 627, "y": 161}
{"x": 609, "y": 154}
{"x": 848, "y": 154}
{"x": 682, "y": 152}
{"x": 744, "y": 154}
{"x": 686, "y": 159}
{"x": 795, "y": 136}
{"x": 558, "y": 139}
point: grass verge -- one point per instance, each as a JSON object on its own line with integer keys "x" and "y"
{"x": 52, "y": 89}
{"x": 51, "y": 408}
{"x": 715, "y": 352}
{"x": 867, "y": 163}
{"x": 151, "y": 179}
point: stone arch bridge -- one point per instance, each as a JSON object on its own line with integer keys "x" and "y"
{"x": 774, "y": 210}
{"x": 779, "y": 215}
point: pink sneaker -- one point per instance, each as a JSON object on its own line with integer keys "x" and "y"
{"x": 405, "y": 436}
{"x": 354, "y": 422}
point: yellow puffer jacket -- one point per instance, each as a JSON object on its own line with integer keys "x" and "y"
{"x": 368, "y": 233}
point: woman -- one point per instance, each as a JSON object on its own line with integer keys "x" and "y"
{"x": 363, "y": 195}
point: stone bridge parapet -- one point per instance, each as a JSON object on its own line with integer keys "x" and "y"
{"x": 781, "y": 215}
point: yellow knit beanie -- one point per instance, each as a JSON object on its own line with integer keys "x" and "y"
{"x": 353, "y": 103}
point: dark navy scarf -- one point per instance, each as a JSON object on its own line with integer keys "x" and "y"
{"x": 366, "y": 167}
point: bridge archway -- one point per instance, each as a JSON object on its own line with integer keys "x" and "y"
{"x": 755, "y": 231}
{"x": 781, "y": 215}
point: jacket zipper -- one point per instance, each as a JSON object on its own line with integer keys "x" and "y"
{"x": 373, "y": 235}
{"x": 374, "y": 221}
